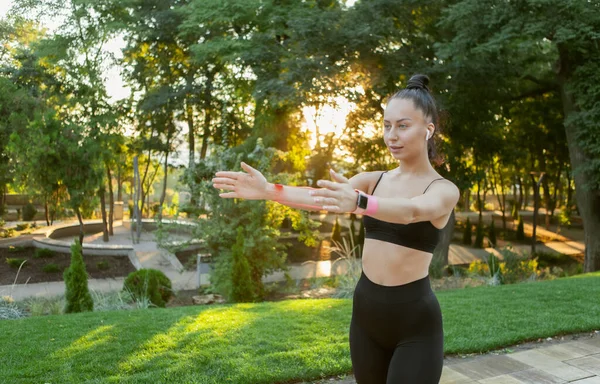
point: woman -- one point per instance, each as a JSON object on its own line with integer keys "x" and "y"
{"x": 396, "y": 333}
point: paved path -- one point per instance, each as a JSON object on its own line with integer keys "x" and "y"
{"x": 150, "y": 256}
{"x": 576, "y": 359}
{"x": 147, "y": 253}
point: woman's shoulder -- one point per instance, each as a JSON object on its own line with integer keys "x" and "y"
{"x": 364, "y": 181}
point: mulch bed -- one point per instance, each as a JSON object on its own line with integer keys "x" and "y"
{"x": 118, "y": 266}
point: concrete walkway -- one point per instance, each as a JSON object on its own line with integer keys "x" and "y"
{"x": 150, "y": 256}
{"x": 570, "y": 359}
{"x": 147, "y": 253}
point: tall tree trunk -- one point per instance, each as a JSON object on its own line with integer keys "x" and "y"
{"x": 102, "y": 192}
{"x": 191, "y": 145}
{"x": 46, "y": 212}
{"x": 206, "y": 103}
{"x": 521, "y": 193}
{"x": 81, "y": 232}
{"x": 588, "y": 200}
{"x": 119, "y": 185}
{"x": 111, "y": 202}
{"x": 569, "y": 193}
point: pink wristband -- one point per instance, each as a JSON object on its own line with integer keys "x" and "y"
{"x": 372, "y": 205}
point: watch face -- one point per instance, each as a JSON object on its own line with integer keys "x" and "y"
{"x": 362, "y": 201}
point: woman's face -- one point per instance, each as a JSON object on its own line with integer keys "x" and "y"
{"x": 405, "y": 129}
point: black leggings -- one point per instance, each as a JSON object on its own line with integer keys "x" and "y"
{"x": 396, "y": 334}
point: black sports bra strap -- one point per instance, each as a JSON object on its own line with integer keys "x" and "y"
{"x": 441, "y": 178}
{"x": 377, "y": 183}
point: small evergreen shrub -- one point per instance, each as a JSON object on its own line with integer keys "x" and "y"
{"x": 520, "y": 230}
{"x": 479, "y": 235}
{"x": 102, "y": 265}
{"x": 78, "y": 298}
{"x": 467, "y": 234}
{"x": 29, "y": 212}
{"x": 51, "y": 268}
{"x": 243, "y": 289}
{"x": 150, "y": 284}
{"x": 44, "y": 253}
{"x": 14, "y": 262}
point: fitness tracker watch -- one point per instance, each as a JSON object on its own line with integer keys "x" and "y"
{"x": 362, "y": 202}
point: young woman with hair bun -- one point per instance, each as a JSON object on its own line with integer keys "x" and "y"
{"x": 396, "y": 333}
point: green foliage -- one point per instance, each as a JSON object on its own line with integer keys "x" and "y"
{"x": 51, "y": 268}
{"x": 22, "y": 227}
{"x": 467, "y": 233}
{"x": 78, "y": 298}
{"x": 243, "y": 289}
{"x": 492, "y": 234}
{"x": 261, "y": 220}
{"x": 520, "y": 229}
{"x": 479, "y": 235}
{"x": 151, "y": 284}
{"x": 43, "y": 253}
{"x": 102, "y": 265}
{"x": 6, "y": 233}
{"x": 29, "y": 212}
{"x": 15, "y": 262}
{"x": 15, "y": 249}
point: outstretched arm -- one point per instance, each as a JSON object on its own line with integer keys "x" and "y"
{"x": 252, "y": 185}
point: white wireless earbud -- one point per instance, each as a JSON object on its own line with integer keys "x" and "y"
{"x": 428, "y": 135}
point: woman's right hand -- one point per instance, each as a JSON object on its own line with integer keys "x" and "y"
{"x": 251, "y": 185}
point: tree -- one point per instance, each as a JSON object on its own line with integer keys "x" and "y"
{"x": 78, "y": 298}
{"x": 550, "y": 45}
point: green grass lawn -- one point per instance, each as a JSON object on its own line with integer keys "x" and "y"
{"x": 270, "y": 342}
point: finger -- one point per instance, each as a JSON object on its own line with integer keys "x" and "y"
{"x": 326, "y": 200}
{"x": 332, "y": 208}
{"x": 248, "y": 169}
{"x": 227, "y": 187}
{"x": 229, "y": 174}
{"x": 228, "y": 195}
{"x": 322, "y": 193}
{"x": 328, "y": 184}
{"x": 338, "y": 177}
{"x": 223, "y": 180}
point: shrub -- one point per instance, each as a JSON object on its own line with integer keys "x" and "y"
{"x": 22, "y": 227}
{"x": 78, "y": 298}
{"x": 102, "y": 265}
{"x": 9, "y": 309}
{"x": 15, "y": 262}
{"x": 7, "y": 233}
{"x": 17, "y": 249}
{"x": 242, "y": 289}
{"x": 492, "y": 234}
{"x": 51, "y": 268}
{"x": 44, "y": 253}
{"x": 479, "y": 235}
{"x": 520, "y": 230}
{"x": 150, "y": 284}
{"x": 467, "y": 234}
{"x": 29, "y": 212}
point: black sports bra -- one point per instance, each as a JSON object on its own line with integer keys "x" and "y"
{"x": 421, "y": 235}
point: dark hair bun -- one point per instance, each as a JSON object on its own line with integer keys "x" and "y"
{"x": 418, "y": 82}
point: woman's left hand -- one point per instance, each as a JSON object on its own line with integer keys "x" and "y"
{"x": 337, "y": 195}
